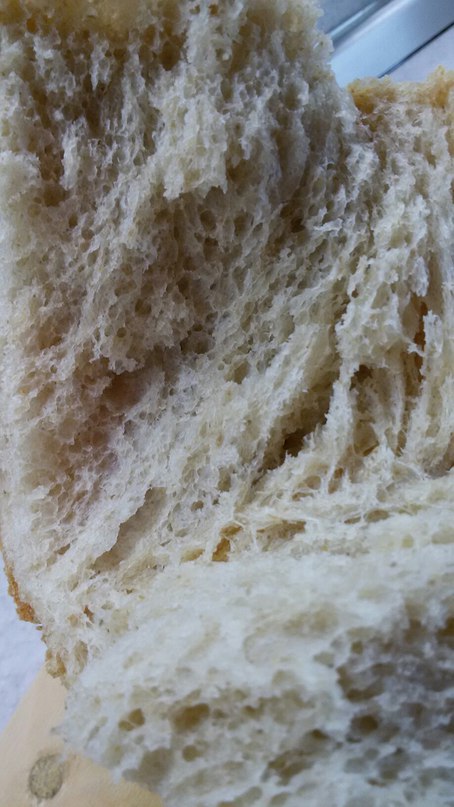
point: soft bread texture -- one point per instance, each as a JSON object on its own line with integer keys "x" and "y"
{"x": 227, "y": 394}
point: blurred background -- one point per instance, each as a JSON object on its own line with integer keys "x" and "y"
{"x": 406, "y": 38}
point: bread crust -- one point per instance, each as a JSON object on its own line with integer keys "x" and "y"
{"x": 24, "y": 609}
{"x": 54, "y": 664}
{"x": 368, "y": 93}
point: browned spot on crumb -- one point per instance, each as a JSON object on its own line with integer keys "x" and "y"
{"x": 192, "y": 554}
{"x": 222, "y": 551}
{"x": 54, "y": 665}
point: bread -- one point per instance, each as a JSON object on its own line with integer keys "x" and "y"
{"x": 227, "y": 399}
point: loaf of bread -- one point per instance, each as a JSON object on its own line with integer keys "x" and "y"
{"x": 227, "y": 399}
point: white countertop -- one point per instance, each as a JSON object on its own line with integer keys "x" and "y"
{"x": 21, "y": 654}
{"x": 21, "y": 649}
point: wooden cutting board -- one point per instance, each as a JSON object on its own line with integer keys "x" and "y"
{"x": 34, "y": 772}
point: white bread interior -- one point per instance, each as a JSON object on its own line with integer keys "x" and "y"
{"x": 227, "y": 398}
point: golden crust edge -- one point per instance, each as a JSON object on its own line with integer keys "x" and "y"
{"x": 54, "y": 664}
{"x": 434, "y": 91}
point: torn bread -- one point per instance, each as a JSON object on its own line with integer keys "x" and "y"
{"x": 227, "y": 399}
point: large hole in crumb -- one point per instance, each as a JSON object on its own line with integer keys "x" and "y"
{"x": 445, "y": 636}
{"x": 170, "y": 54}
{"x": 133, "y": 720}
{"x": 153, "y": 767}
{"x": 238, "y": 372}
{"x": 131, "y": 531}
{"x": 190, "y": 717}
{"x": 294, "y": 761}
{"x": 291, "y": 430}
{"x": 362, "y": 726}
{"x": 191, "y": 752}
